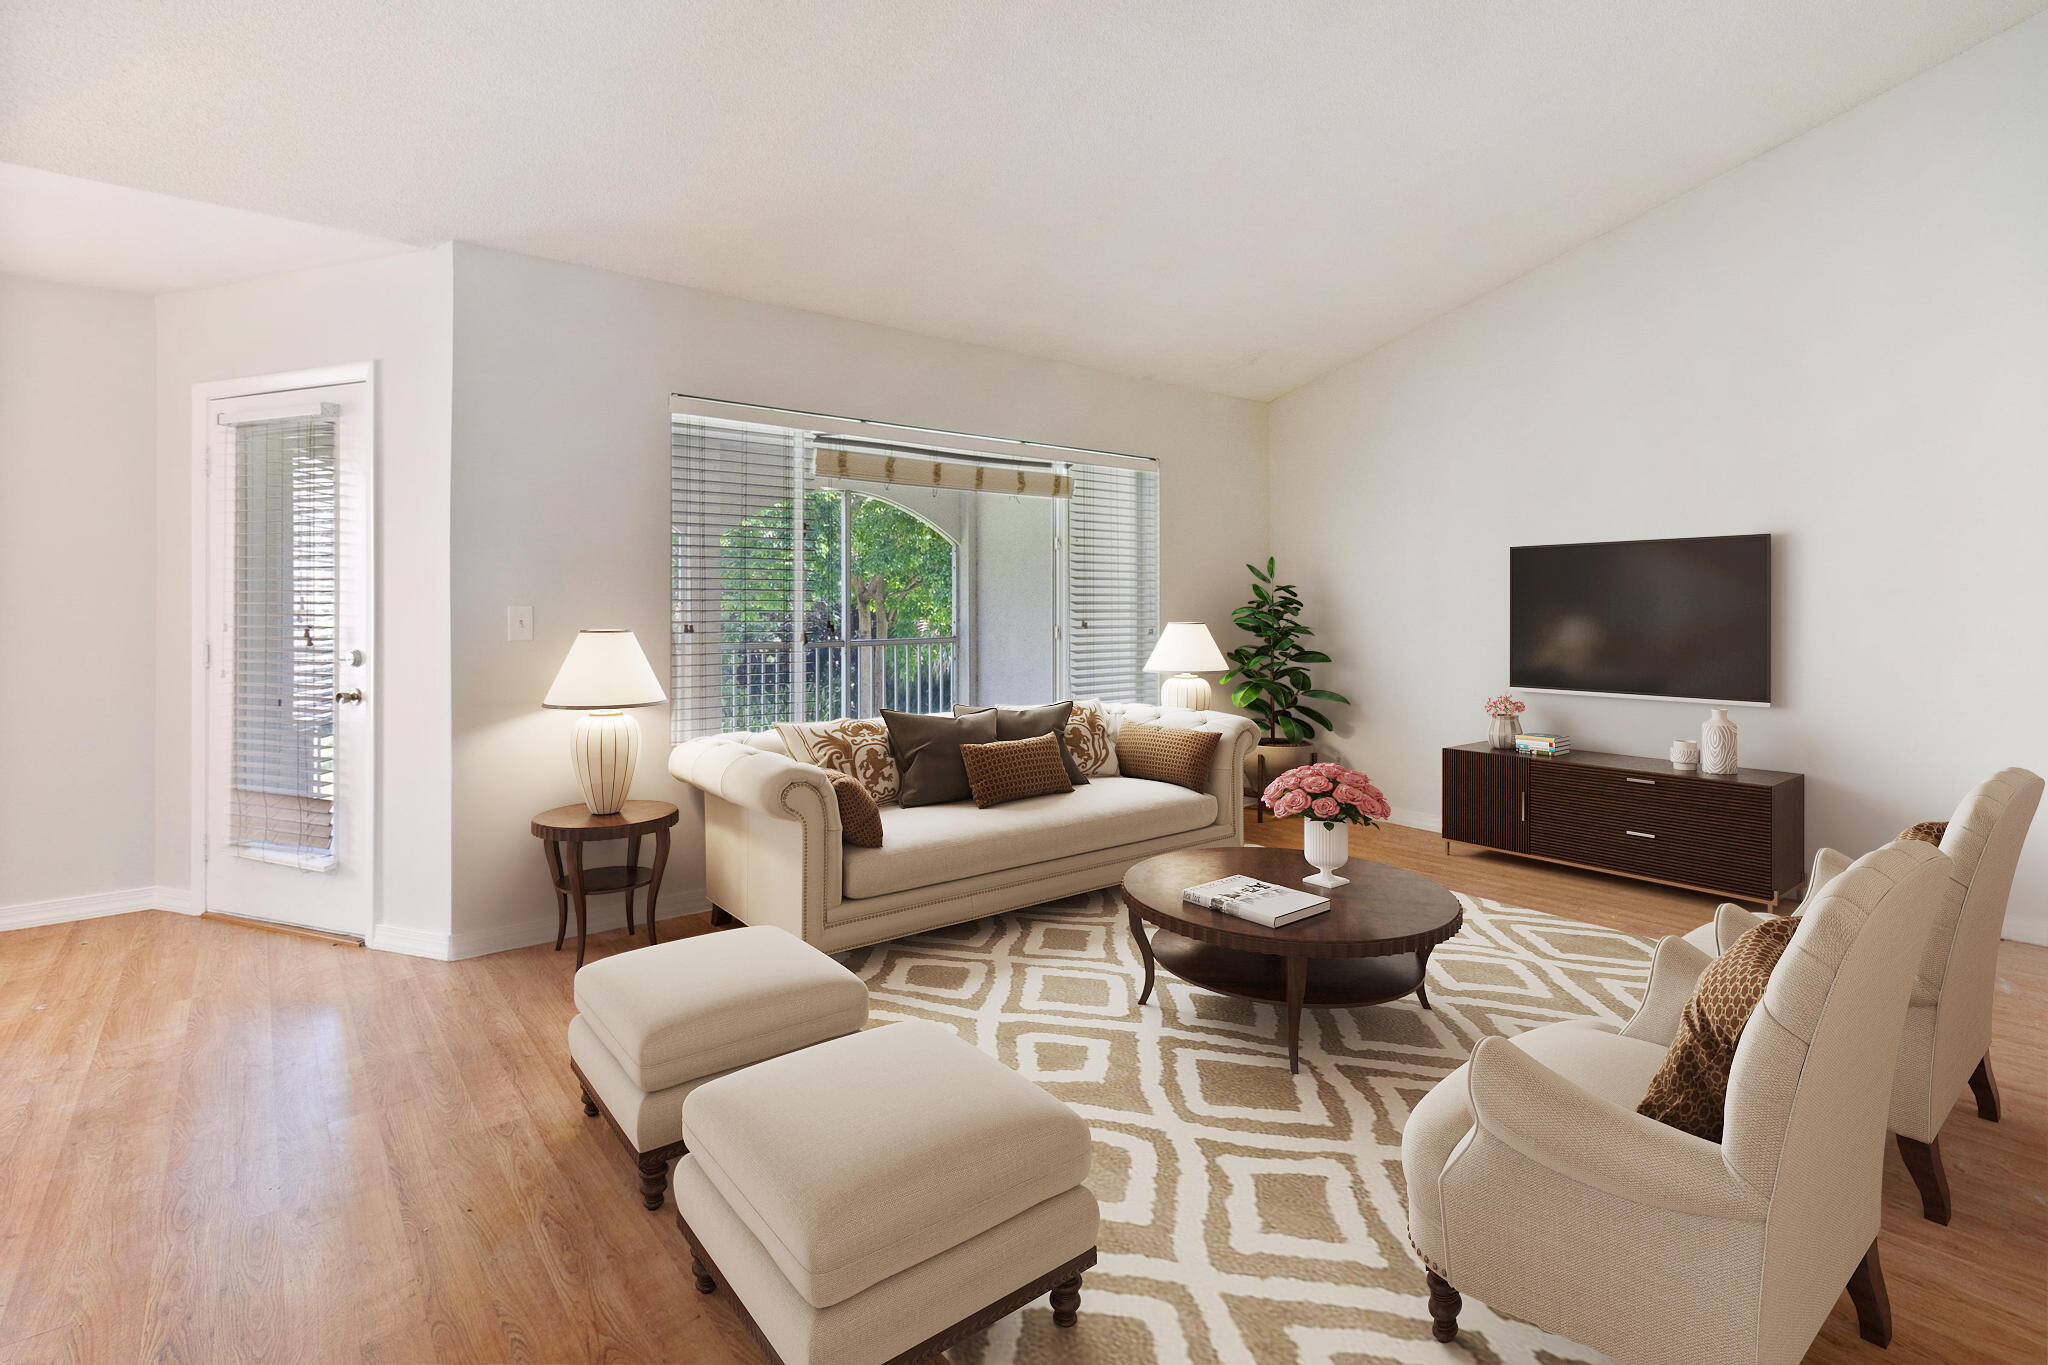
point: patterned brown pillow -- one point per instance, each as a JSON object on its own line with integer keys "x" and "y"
{"x": 1927, "y": 831}
{"x": 853, "y": 746}
{"x": 1181, "y": 757}
{"x": 1012, "y": 769}
{"x": 1690, "y": 1090}
{"x": 858, "y": 813}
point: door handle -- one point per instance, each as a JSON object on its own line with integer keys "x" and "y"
{"x": 354, "y": 696}
{"x": 1646, "y": 781}
{"x": 1638, "y": 834}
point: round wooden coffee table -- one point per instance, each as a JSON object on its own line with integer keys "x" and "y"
{"x": 1371, "y": 946}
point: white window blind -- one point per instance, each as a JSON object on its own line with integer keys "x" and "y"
{"x": 1112, "y": 586}
{"x": 736, "y": 521}
{"x": 284, "y": 631}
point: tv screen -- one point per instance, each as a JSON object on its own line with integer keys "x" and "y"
{"x": 1689, "y": 619}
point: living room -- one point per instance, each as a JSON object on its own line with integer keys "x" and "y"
{"x": 1385, "y": 298}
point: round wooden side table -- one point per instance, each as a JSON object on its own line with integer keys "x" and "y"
{"x": 564, "y": 831}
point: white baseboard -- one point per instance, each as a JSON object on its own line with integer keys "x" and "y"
{"x": 68, "y": 908}
{"x": 1431, "y": 820}
{"x": 500, "y": 938}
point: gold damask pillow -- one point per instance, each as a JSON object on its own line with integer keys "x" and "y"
{"x": 1091, "y": 739}
{"x": 858, "y": 748}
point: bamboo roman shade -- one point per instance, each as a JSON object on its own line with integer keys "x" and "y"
{"x": 917, "y": 471}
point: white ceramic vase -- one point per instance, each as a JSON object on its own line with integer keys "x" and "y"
{"x": 1327, "y": 846}
{"x": 1717, "y": 744}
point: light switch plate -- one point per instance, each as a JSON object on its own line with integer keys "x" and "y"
{"x": 519, "y": 623}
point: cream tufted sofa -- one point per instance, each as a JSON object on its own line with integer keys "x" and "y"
{"x": 1535, "y": 1186}
{"x": 773, "y": 852}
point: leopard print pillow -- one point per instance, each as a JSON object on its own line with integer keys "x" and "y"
{"x": 1091, "y": 738}
{"x": 858, "y": 748}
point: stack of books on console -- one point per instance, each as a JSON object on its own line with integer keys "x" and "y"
{"x": 1536, "y": 742}
{"x": 1248, "y": 898}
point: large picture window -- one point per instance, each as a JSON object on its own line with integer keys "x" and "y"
{"x": 812, "y": 581}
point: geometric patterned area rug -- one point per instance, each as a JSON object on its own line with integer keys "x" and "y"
{"x": 1249, "y": 1216}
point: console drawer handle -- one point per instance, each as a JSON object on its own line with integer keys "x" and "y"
{"x": 1638, "y": 834}
{"x": 1646, "y": 781}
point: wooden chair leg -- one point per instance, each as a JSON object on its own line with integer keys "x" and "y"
{"x": 653, "y": 1181}
{"x": 1444, "y": 1303}
{"x": 1923, "y": 1159}
{"x": 1066, "y": 1302}
{"x": 1985, "y": 1086}
{"x": 1873, "y": 1305}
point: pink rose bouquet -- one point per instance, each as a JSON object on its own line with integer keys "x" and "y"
{"x": 1504, "y": 705}
{"x": 1329, "y": 792}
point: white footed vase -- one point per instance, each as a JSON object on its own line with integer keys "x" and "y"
{"x": 605, "y": 746}
{"x": 1717, "y": 744}
{"x": 1327, "y": 846}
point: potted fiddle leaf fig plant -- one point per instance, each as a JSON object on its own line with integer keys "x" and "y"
{"x": 1270, "y": 677}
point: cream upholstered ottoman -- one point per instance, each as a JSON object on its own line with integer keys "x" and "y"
{"x": 655, "y": 1023}
{"x": 877, "y": 1198}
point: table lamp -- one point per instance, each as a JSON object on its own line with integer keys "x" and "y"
{"x": 604, "y": 675}
{"x": 1185, "y": 648}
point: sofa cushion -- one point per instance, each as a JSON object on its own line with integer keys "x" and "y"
{"x": 864, "y": 1156}
{"x": 855, "y": 746}
{"x": 1012, "y": 769}
{"x": 860, "y": 819}
{"x": 681, "y": 1010}
{"x": 925, "y": 845}
{"x": 1028, "y": 722}
{"x": 928, "y": 753}
{"x": 1690, "y": 1089}
{"x": 1166, "y": 754}
{"x": 1091, "y": 737}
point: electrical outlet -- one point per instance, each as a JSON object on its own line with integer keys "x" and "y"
{"x": 519, "y": 623}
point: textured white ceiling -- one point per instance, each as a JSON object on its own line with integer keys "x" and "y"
{"x": 1232, "y": 195}
{"x": 59, "y": 227}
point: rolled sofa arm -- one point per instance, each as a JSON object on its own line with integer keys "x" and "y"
{"x": 772, "y": 833}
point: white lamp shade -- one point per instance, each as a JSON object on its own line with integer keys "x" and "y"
{"x": 605, "y": 671}
{"x": 1186, "y": 647}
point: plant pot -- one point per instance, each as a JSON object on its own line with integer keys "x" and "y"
{"x": 1279, "y": 755}
{"x": 1327, "y": 846}
{"x": 1502, "y": 731}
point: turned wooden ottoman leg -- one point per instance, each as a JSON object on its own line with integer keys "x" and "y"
{"x": 653, "y": 1180}
{"x": 1444, "y": 1303}
{"x": 589, "y": 1106}
{"x": 1066, "y": 1302}
{"x": 705, "y": 1284}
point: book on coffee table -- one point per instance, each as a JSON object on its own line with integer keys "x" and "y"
{"x": 1263, "y": 903}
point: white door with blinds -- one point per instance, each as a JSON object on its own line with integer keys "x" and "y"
{"x": 289, "y": 740}
{"x": 1110, "y": 545}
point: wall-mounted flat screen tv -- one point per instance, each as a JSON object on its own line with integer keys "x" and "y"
{"x": 1687, "y": 619}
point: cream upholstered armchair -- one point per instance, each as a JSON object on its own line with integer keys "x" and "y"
{"x": 1534, "y": 1185}
{"x": 1946, "y": 1042}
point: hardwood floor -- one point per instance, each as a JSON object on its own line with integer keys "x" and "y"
{"x": 223, "y": 1144}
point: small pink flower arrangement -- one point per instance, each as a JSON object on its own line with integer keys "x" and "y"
{"x": 1504, "y": 705}
{"x": 1329, "y": 792}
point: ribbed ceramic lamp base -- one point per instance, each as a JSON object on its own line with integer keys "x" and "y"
{"x": 604, "y": 747}
{"x": 1185, "y": 689}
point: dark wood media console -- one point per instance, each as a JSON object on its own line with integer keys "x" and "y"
{"x": 1742, "y": 837}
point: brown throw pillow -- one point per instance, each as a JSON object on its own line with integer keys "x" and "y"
{"x": 1690, "y": 1090}
{"x": 1012, "y": 769}
{"x": 1927, "y": 831}
{"x": 1023, "y": 722}
{"x": 858, "y": 813}
{"x": 927, "y": 750}
{"x": 1181, "y": 757}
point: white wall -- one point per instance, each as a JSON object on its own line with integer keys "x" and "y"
{"x": 77, "y": 614}
{"x": 397, "y": 312}
{"x": 1844, "y": 343}
{"x": 561, "y": 502}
